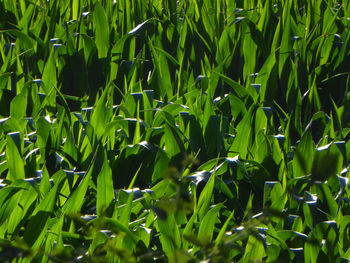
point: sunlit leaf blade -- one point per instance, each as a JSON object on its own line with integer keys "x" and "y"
{"x": 105, "y": 189}
{"x": 170, "y": 236}
{"x": 101, "y": 29}
{"x": 206, "y": 228}
{"x": 14, "y": 157}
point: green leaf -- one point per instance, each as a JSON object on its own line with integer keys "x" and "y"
{"x": 214, "y": 135}
{"x": 115, "y": 226}
{"x": 9, "y": 200}
{"x": 302, "y": 161}
{"x": 254, "y": 250}
{"x": 311, "y": 249}
{"x": 267, "y": 77}
{"x": 36, "y": 226}
{"x": 74, "y": 203}
{"x": 19, "y": 105}
{"x": 24, "y": 40}
{"x": 331, "y": 202}
{"x": 286, "y": 42}
{"x": 137, "y": 133}
{"x": 105, "y": 189}
{"x": 14, "y": 157}
{"x": 48, "y": 203}
{"x": 206, "y": 196}
{"x": 20, "y": 213}
{"x": 206, "y": 228}
{"x": 125, "y": 211}
{"x": 49, "y": 79}
{"x": 223, "y": 229}
{"x": 100, "y": 114}
{"x": 101, "y": 30}
{"x": 242, "y": 140}
{"x": 169, "y": 234}
{"x": 327, "y": 162}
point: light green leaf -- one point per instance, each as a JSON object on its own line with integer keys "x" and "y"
{"x": 14, "y": 157}
{"x": 101, "y": 30}
{"x": 206, "y": 228}
{"x": 105, "y": 189}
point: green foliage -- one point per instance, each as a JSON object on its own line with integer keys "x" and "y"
{"x": 174, "y": 131}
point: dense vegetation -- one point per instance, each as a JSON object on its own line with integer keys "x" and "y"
{"x": 178, "y": 131}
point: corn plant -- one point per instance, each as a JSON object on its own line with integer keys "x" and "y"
{"x": 174, "y": 131}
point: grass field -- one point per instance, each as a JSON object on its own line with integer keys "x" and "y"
{"x": 174, "y": 131}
